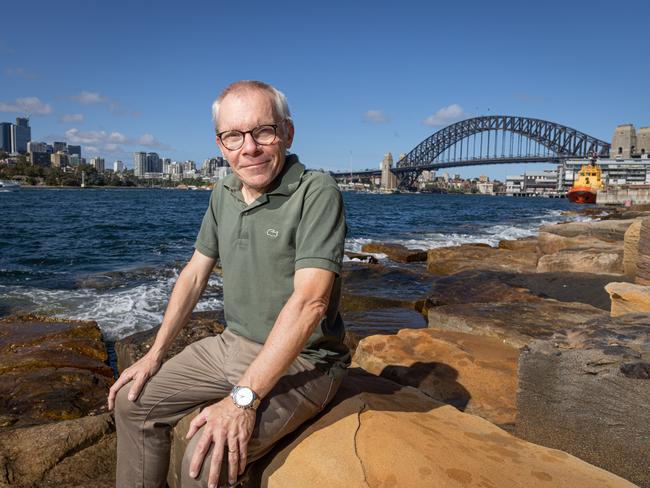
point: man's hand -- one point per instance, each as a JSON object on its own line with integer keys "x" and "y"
{"x": 228, "y": 428}
{"x": 139, "y": 372}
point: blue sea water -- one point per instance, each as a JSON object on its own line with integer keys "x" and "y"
{"x": 113, "y": 255}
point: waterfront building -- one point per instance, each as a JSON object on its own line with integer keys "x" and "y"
{"x": 58, "y": 146}
{"x": 98, "y": 164}
{"x": 154, "y": 164}
{"x": 139, "y": 164}
{"x": 166, "y": 166}
{"x": 615, "y": 172}
{"x": 485, "y": 187}
{"x": 189, "y": 167}
{"x": 74, "y": 160}
{"x": 5, "y": 137}
{"x": 40, "y": 159}
{"x": 21, "y": 134}
{"x": 59, "y": 159}
{"x": 388, "y": 179}
{"x": 118, "y": 166}
{"x": 74, "y": 150}
{"x": 514, "y": 184}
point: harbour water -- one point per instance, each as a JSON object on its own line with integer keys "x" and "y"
{"x": 113, "y": 255}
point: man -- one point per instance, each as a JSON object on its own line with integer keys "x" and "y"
{"x": 279, "y": 232}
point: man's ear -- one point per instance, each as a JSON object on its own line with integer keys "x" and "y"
{"x": 290, "y": 133}
{"x": 220, "y": 148}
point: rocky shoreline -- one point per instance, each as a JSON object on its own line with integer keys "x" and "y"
{"x": 522, "y": 364}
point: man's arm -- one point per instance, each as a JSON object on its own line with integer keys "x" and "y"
{"x": 228, "y": 425}
{"x": 187, "y": 291}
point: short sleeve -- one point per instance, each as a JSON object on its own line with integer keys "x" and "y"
{"x": 320, "y": 237}
{"x": 207, "y": 242}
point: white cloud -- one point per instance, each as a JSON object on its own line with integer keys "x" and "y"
{"x": 72, "y": 118}
{"x": 112, "y": 141}
{"x": 89, "y": 98}
{"x": 27, "y": 106}
{"x": 20, "y": 73}
{"x": 375, "y": 117}
{"x": 446, "y": 115}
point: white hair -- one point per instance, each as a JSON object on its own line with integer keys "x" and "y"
{"x": 280, "y": 104}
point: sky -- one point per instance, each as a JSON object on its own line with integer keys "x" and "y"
{"x": 363, "y": 78}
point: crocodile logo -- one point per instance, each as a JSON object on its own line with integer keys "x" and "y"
{"x": 272, "y": 233}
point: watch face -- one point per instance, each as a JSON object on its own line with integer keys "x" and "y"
{"x": 244, "y": 396}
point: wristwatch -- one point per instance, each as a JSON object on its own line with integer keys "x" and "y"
{"x": 244, "y": 397}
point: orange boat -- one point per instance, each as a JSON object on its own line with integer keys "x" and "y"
{"x": 586, "y": 186}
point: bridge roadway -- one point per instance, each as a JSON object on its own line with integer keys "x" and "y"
{"x": 367, "y": 173}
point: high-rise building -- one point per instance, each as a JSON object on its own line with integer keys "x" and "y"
{"x": 21, "y": 134}
{"x": 118, "y": 166}
{"x": 98, "y": 164}
{"x": 59, "y": 159}
{"x": 74, "y": 150}
{"x": 154, "y": 163}
{"x": 139, "y": 164}
{"x": 36, "y": 147}
{"x": 59, "y": 146}
{"x": 74, "y": 160}
{"x": 5, "y": 137}
{"x": 166, "y": 166}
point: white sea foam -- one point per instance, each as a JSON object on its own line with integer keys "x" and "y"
{"x": 118, "y": 311}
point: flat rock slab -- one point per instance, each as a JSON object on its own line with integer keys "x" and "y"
{"x": 371, "y": 287}
{"x": 587, "y": 390}
{"x": 628, "y": 298}
{"x": 448, "y": 260}
{"x": 383, "y": 321}
{"x": 549, "y": 243}
{"x": 396, "y": 252}
{"x": 528, "y": 244}
{"x": 605, "y": 230}
{"x": 477, "y": 375}
{"x": 598, "y": 261}
{"x": 376, "y": 434}
{"x": 200, "y": 326}
{"x": 515, "y": 323}
{"x": 50, "y": 369}
{"x": 80, "y": 452}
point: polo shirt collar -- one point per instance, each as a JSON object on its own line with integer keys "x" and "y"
{"x": 284, "y": 184}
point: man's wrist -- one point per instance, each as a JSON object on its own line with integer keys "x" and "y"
{"x": 244, "y": 397}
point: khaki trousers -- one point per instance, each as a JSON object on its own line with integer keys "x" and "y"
{"x": 205, "y": 372}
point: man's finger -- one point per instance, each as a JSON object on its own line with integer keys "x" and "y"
{"x": 136, "y": 388}
{"x": 199, "y": 453}
{"x": 233, "y": 459}
{"x": 195, "y": 425}
{"x": 243, "y": 455}
{"x": 215, "y": 465}
{"x": 112, "y": 392}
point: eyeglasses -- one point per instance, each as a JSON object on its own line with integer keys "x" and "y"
{"x": 262, "y": 134}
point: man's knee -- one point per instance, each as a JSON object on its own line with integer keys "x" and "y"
{"x": 125, "y": 409}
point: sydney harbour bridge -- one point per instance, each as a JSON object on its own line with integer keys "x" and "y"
{"x": 493, "y": 139}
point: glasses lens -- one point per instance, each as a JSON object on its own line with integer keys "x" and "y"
{"x": 232, "y": 139}
{"x": 264, "y": 134}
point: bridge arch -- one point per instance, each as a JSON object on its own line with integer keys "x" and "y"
{"x": 563, "y": 141}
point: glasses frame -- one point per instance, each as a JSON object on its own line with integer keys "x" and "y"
{"x": 243, "y": 133}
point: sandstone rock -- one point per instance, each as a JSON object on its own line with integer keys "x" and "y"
{"x": 475, "y": 374}
{"x": 375, "y": 437}
{"x": 477, "y": 286}
{"x": 50, "y": 369}
{"x": 605, "y": 230}
{"x": 448, "y": 260}
{"x": 587, "y": 392}
{"x": 628, "y": 298}
{"x": 396, "y": 252}
{"x": 515, "y": 323}
{"x": 200, "y": 325}
{"x": 80, "y": 452}
{"x": 643, "y": 260}
{"x": 528, "y": 244}
{"x": 631, "y": 248}
{"x": 583, "y": 261}
{"x": 549, "y": 243}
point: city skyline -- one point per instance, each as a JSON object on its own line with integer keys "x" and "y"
{"x": 363, "y": 80}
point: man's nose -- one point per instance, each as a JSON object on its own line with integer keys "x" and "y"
{"x": 249, "y": 146}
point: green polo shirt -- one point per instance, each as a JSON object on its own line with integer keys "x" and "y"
{"x": 298, "y": 223}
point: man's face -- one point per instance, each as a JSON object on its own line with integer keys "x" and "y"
{"x": 256, "y": 165}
